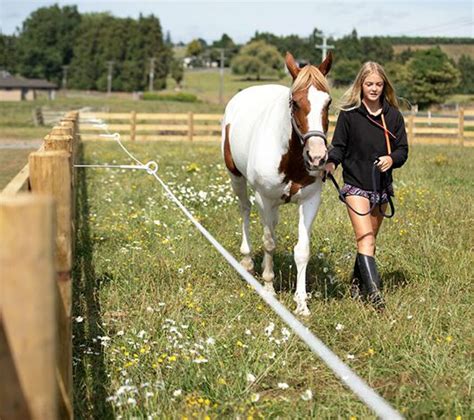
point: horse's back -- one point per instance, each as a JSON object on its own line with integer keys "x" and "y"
{"x": 245, "y": 113}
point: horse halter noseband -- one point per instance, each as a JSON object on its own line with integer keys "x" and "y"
{"x": 303, "y": 138}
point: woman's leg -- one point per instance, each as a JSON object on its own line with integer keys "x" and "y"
{"x": 365, "y": 230}
{"x": 376, "y": 219}
{"x": 363, "y": 225}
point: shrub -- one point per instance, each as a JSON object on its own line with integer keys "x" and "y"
{"x": 177, "y": 97}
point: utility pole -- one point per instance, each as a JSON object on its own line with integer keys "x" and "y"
{"x": 65, "y": 77}
{"x": 221, "y": 83}
{"x": 151, "y": 74}
{"x": 110, "y": 65}
{"x": 324, "y": 47}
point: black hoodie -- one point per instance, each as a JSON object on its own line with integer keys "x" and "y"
{"x": 358, "y": 141}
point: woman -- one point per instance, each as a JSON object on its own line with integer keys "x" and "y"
{"x": 370, "y": 130}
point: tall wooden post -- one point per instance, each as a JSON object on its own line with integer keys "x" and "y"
{"x": 133, "y": 125}
{"x": 50, "y": 173}
{"x": 28, "y": 317}
{"x": 190, "y": 126}
{"x": 411, "y": 128}
{"x": 461, "y": 126}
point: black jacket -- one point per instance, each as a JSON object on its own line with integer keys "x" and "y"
{"x": 357, "y": 142}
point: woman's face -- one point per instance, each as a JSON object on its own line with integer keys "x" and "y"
{"x": 372, "y": 88}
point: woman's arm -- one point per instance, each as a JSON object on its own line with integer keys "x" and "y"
{"x": 399, "y": 153}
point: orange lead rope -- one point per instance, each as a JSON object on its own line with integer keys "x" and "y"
{"x": 387, "y": 140}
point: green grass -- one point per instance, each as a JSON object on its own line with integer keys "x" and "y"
{"x": 154, "y": 298}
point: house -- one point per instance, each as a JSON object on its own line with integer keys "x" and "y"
{"x": 19, "y": 89}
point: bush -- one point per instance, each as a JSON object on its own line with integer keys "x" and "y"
{"x": 177, "y": 97}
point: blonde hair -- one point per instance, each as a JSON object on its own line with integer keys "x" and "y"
{"x": 309, "y": 76}
{"x": 352, "y": 98}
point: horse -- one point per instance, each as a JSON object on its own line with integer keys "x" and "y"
{"x": 274, "y": 139}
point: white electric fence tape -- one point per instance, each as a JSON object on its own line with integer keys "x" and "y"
{"x": 373, "y": 400}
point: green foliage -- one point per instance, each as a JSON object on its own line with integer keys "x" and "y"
{"x": 46, "y": 42}
{"x": 258, "y": 59}
{"x": 429, "y": 78}
{"x": 128, "y": 43}
{"x": 8, "y": 53}
{"x": 178, "y": 97}
{"x": 195, "y": 48}
{"x": 466, "y": 68}
{"x": 344, "y": 71}
{"x": 177, "y": 71}
{"x": 230, "y": 50}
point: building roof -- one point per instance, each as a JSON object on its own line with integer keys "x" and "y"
{"x": 7, "y": 81}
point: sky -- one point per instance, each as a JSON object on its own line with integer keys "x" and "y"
{"x": 187, "y": 20}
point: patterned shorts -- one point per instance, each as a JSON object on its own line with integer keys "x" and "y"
{"x": 373, "y": 197}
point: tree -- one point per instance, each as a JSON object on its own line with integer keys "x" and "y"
{"x": 466, "y": 68}
{"x": 349, "y": 48}
{"x": 177, "y": 72}
{"x": 8, "y": 60}
{"x": 430, "y": 78}
{"x": 258, "y": 59}
{"x": 195, "y": 48}
{"x": 46, "y": 42}
{"x": 344, "y": 71}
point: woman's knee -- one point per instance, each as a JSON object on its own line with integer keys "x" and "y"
{"x": 366, "y": 243}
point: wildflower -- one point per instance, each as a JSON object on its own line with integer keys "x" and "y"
{"x": 177, "y": 393}
{"x": 371, "y": 352}
{"x": 283, "y": 385}
{"x": 269, "y": 329}
{"x": 132, "y": 401}
{"x": 121, "y": 332}
{"x": 350, "y": 356}
{"x": 79, "y": 319}
{"x": 141, "y": 334}
{"x": 307, "y": 395}
{"x": 254, "y": 397}
{"x": 449, "y": 339}
{"x": 221, "y": 381}
{"x": 339, "y": 327}
{"x": 250, "y": 378}
{"x": 409, "y": 316}
{"x": 210, "y": 341}
{"x": 200, "y": 360}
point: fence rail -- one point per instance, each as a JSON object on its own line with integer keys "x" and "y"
{"x": 36, "y": 254}
{"x": 454, "y": 128}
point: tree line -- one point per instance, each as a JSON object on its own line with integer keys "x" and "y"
{"x": 59, "y": 44}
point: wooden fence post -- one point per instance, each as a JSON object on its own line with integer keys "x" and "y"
{"x": 50, "y": 173}
{"x": 133, "y": 125}
{"x": 461, "y": 126}
{"x": 28, "y": 317}
{"x": 190, "y": 126}
{"x": 411, "y": 128}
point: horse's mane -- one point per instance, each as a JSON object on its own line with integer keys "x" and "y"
{"x": 310, "y": 75}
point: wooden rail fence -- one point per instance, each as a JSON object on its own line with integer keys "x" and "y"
{"x": 455, "y": 128}
{"x": 36, "y": 254}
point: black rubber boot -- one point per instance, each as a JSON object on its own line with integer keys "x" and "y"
{"x": 356, "y": 287}
{"x": 370, "y": 280}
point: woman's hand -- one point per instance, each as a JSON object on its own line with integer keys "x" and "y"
{"x": 328, "y": 169}
{"x": 384, "y": 163}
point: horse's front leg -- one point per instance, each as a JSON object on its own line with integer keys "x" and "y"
{"x": 307, "y": 213}
{"x": 269, "y": 215}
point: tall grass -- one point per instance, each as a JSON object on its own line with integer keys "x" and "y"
{"x": 164, "y": 328}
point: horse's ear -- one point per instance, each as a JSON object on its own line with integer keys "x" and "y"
{"x": 291, "y": 65}
{"x": 325, "y": 66}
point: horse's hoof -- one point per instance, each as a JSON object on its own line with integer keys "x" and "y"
{"x": 269, "y": 288}
{"x": 302, "y": 311}
{"x": 247, "y": 263}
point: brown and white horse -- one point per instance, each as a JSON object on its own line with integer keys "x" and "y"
{"x": 274, "y": 139}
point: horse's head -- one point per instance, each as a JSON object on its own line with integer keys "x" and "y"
{"x": 309, "y": 107}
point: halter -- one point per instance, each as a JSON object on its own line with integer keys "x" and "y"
{"x": 304, "y": 137}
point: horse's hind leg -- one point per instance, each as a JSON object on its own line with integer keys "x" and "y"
{"x": 269, "y": 215}
{"x": 239, "y": 185}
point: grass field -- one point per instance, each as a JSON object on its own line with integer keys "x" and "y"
{"x": 163, "y": 328}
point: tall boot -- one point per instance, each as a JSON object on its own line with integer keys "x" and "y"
{"x": 370, "y": 280}
{"x": 356, "y": 287}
